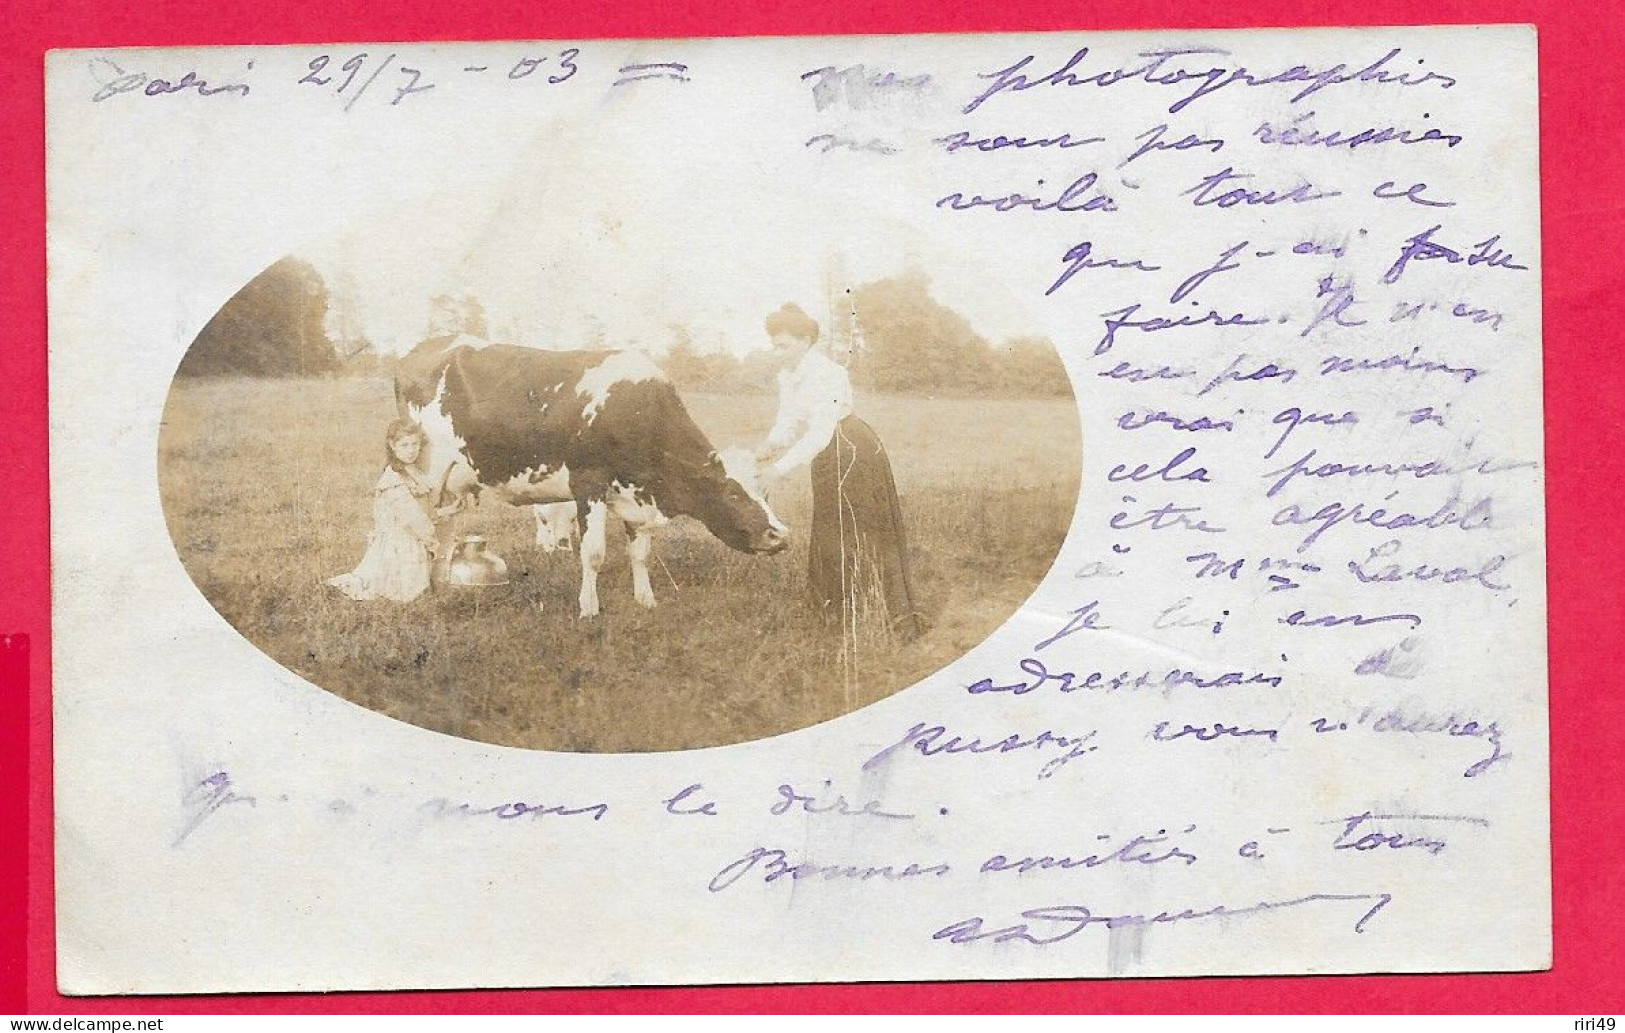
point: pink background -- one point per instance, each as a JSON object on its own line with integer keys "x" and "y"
{"x": 1582, "y": 145}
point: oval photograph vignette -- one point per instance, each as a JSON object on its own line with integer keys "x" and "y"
{"x": 565, "y": 534}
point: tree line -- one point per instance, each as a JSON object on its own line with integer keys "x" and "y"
{"x": 895, "y": 336}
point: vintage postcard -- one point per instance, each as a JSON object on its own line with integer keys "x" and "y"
{"x": 829, "y": 509}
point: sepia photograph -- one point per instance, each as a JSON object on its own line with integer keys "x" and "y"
{"x": 697, "y": 516}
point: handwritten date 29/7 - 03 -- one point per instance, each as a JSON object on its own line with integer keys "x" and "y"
{"x": 405, "y": 81}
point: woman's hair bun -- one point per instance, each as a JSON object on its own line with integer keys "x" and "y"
{"x": 790, "y": 319}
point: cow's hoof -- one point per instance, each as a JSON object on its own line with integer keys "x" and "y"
{"x": 646, "y": 601}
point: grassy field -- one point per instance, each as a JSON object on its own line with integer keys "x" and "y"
{"x": 267, "y": 490}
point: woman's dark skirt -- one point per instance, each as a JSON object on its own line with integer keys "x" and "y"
{"x": 858, "y": 550}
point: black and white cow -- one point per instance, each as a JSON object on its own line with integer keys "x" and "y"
{"x": 602, "y": 428}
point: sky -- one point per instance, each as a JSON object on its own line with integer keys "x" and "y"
{"x": 616, "y": 227}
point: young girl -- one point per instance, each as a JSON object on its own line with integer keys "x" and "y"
{"x": 402, "y": 547}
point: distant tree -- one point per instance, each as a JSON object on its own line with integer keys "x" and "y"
{"x": 273, "y": 327}
{"x": 682, "y": 363}
{"x": 362, "y": 361}
{"x": 352, "y": 349}
{"x": 910, "y": 343}
{"x": 715, "y": 371}
{"x": 724, "y": 372}
{"x": 1031, "y": 366}
{"x": 344, "y": 325}
{"x": 913, "y": 344}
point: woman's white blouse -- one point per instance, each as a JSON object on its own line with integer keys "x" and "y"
{"x": 814, "y": 396}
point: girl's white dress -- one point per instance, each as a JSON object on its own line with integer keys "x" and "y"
{"x": 398, "y": 558}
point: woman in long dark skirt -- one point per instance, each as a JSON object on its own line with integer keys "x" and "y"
{"x": 857, "y": 548}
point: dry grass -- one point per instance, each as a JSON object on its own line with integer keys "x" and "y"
{"x": 267, "y": 485}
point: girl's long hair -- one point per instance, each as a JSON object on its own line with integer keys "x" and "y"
{"x": 403, "y": 429}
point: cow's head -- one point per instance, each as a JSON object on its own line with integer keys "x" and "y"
{"x": 735, "y": 510}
